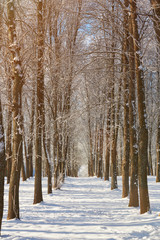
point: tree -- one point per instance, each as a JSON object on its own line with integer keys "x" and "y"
{"x": 156, "y": 21}
{"x": 143, "y": 132}
{"x": 31, "y": 128}
{"x": 125, "y": 162}
{"x": 107, "y": 156}
{"x": 113, "y": 139}
{"x": 158, "y": 123}
{"x": 90, "y": 160}
{"x": 17, "y": 75}
{"x": 133, "y": 196}
{"x": 39, "y": 104}
{"x": 2, "y": 166}
{"x": 2, "y": 144}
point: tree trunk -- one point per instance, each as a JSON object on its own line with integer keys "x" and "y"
{"x": 133, "y": 196}
{"x": 113, "y": 132}
{"x": 2, "y": 164}
{"x": 23, "y": 171}
{"x": 2, "y": 144}
{"x": 125, "y": 162}
{"x": 107, "y": 156}
{"x": 158, "y": 124}
{"x": 118, "y": 121}
{"x": 22, "y": 152}
{"x": 13, "y": 203}
{"x": 150, "y": 165}
{"x": 100, "y": 154}
{"x": 40, "y": 101}
{"x": 143, "y": 132}
{"x": 158, "y": 152}
{"x": 26, "y": 157}
{"x": 9, "y": 132}
{"x": 90, "y": 160}
{"x": 57, "y": 43}
{"x": 30, "y": 143}
{"x": 46, "y": 153}
{"x": 156, "y": 20}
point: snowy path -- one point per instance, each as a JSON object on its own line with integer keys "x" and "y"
{"x": 85, "y": 208}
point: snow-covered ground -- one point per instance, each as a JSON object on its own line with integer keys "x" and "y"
{"x": 85, "y": 208}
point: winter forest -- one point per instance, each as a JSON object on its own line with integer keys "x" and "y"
{"x": 79, "y": 91}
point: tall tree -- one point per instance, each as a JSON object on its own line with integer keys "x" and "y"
{"x": 133, "y": 196}
{"x": 143, "y": 132}
{"x": 17, "y": 76}
{"x": 125, "y": 162}
{"x": 40, "y": 104}
{"x": 2, "y": 166}
{"x": 90, "y": 160}
{"x": 46, "y": 153}
{"x": 107, "y": 156}
{"x": 158, "y": 122}
{"x": 2, "y": 145}
{"x": 156, "y": 20}
{"x": 31, "y": 128}
{"x": 113, "y": 132}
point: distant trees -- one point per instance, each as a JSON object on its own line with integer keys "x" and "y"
{"x": 126, "y": 65}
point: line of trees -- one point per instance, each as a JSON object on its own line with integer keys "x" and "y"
{"x": 120, "y": 53}
{"x": 79, "y": 81}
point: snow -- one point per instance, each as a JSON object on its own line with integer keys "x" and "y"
{"x": 83, "y": 171}
{"x": 85, "y": 208}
